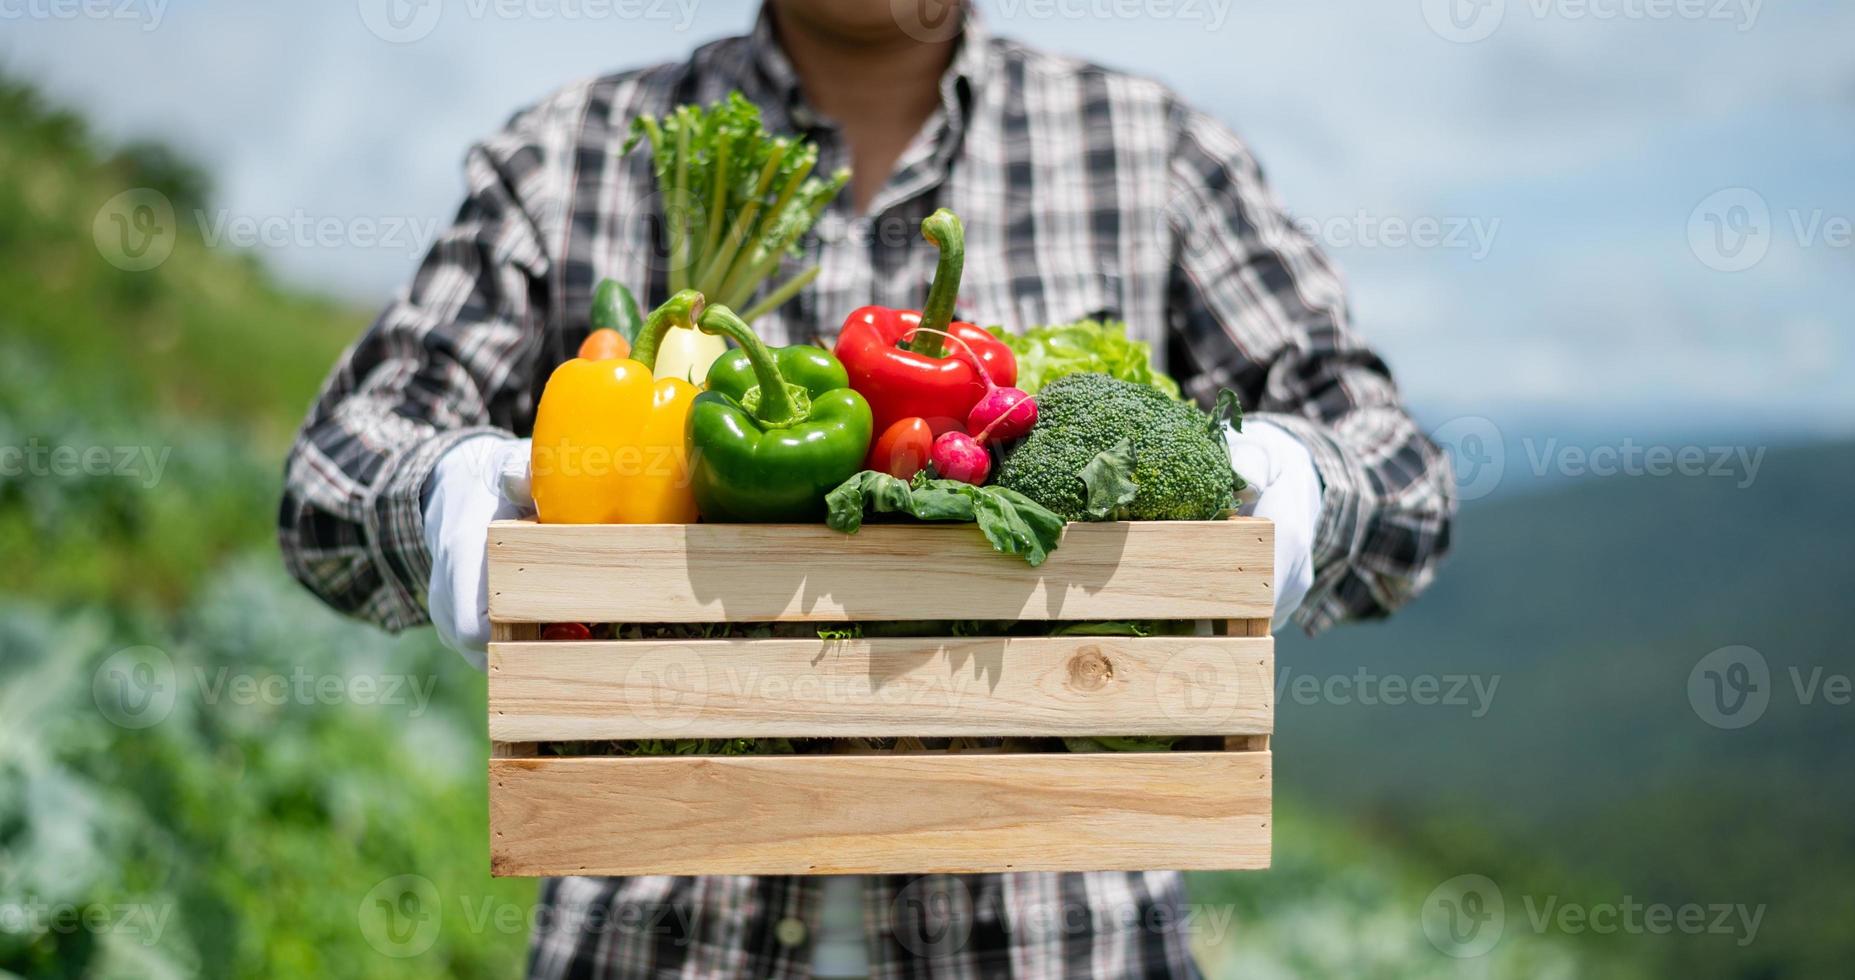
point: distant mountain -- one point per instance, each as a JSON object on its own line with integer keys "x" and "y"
{"x": 1583, "y": 614}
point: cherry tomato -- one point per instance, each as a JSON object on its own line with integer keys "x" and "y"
{"x": 902, "y": 449}
{"x": 568, "y": 631}
{"x": 605, "y": 345}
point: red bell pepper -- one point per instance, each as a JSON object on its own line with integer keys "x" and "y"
{"x": 903, "y": 362}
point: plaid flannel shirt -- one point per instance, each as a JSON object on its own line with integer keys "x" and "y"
{"x": 1084, "y": 192}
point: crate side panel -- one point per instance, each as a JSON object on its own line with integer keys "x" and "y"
{"x": 890, "y": 814}
{"x": 748, "y": 573}
{"x": 1026, "y": 686}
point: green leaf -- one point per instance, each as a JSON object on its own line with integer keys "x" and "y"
{"x": 1012, "y": 522}
{"x": 1047, "y": 353}
{"x": 1227, "y": 411}
{"x": 1039, "y": 527}
{"x": 1123, "y": 628}
{"x": 1119, "y": 743}
{"x": 1109, "y": 481}
{"x": 939, "y": 500}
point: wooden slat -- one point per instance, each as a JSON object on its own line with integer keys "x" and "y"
{"x": 879, "y": 814}
{"x": 511, "y": 633}
{"x": 888, "y": 687}
{"x": 747, "y": 573}
{"x": 1249, "y": 742}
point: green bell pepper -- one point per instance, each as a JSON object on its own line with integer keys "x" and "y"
{"x": 775, "y": 431}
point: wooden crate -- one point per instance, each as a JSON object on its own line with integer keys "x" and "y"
{"x": 913, "y": 812}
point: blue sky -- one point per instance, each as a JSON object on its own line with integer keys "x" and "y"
{"x": 1559, "y": 150}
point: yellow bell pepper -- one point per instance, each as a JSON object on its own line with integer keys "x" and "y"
{"x": 609, "y": 444}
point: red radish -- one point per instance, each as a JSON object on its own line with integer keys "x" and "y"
{"x": 1003, "y": 414}
{"x": 958, "y": 456}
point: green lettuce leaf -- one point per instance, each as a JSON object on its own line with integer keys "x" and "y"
{"x": 1047, "y": 353}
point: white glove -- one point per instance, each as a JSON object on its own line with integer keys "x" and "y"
{"x": 1283, "y": 487}
{"x": 479, "y": 480}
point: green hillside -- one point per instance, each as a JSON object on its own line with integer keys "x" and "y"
{"x": 196, "y": 371}
{"x": 228, "y": 835}
{"x": 1593, "y": 604}
{"x": 219, "y": 834}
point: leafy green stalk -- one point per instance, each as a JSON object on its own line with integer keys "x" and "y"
{"x": 718, "y": 197}
{"x": 736, "y": 199}
{"x": 783, "y": 239}
{"x": 678, "y": 217}
{"x": 780, "y": 295}
{"x": 718, "y": 267}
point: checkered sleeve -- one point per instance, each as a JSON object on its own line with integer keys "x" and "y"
{"x": 452, "y": 357}
{"x": 1257, "y": 307}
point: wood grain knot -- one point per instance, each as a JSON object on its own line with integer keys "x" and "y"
{"x": 1090, "y": 670}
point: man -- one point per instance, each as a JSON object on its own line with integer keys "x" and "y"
{"x": 1084, "y": 193}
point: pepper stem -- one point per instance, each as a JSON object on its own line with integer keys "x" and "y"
{"x": 942, "y": 228}
{"x": 777, "y": 406}
{"x": 978, "y": 363}
{"x": 680, "y": 310}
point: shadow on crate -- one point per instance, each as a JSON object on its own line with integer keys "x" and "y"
{"x": 950, "y": 569}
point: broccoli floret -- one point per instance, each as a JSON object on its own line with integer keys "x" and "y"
{"x": 1105, "y": 449}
